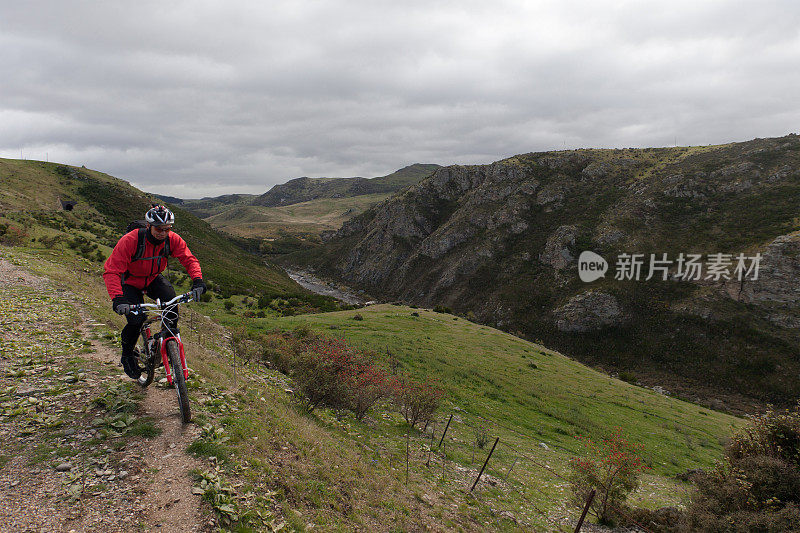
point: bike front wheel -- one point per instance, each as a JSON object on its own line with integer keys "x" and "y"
{"x": 174, "y": 355}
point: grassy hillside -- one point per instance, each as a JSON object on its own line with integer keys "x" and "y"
{"x": 535, "y": 400}
{"x": 31, "y": 195}
{"x": 512, "y": 382}
{"x": 404, "y": 177}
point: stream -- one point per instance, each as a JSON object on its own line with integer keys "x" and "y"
{"x": 318, "y": 286}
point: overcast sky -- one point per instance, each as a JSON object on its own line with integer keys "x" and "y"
{"x": 210, "y": 97}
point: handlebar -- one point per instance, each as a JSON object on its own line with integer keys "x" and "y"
{"x": 145, "y": 307}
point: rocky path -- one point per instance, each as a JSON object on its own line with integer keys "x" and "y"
{"x": 82, "y": 448}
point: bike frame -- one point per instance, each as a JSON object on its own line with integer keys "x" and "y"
{"x": 161, "y": 312}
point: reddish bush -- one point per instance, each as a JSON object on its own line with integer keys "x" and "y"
{"x": 366, "y": 384}
{"x": 327, "y": 371}
{"x": 611, "y": 467}
{"x": 321, "y": 372}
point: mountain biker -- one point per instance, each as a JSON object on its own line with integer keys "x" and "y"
{"x": 127, "y": 276}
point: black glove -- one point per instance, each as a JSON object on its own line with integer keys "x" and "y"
{"x": 198, "y": 288}
{"x": 121, "y": 305}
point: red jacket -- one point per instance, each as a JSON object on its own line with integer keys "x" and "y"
{"x": 141, "y": 273}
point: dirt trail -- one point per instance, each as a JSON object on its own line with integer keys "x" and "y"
{"x": 138, "y": 483}
{"x": 168, "y": 502}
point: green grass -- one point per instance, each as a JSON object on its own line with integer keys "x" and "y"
{"x": 144, "y": 427}
{"x": 488, "y": 374}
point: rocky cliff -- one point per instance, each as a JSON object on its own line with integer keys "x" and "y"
{"x": 502, "y": 241}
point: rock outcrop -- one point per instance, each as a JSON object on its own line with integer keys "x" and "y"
{"x": 588, "y": 312}
{"x": 779, "y": 274}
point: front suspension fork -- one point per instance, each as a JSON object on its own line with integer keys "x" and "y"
{"x": 165, "y": 358}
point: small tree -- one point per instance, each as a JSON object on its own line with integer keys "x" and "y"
{"x": 417, "y": 401}
{"x": 611, "y": 467}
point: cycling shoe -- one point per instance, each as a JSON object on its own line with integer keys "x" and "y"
{"x": 131, "y": 366}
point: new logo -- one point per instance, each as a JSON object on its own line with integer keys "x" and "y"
{"x": 591, "y": 266}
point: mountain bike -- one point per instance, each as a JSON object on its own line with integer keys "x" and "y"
{"x": 166, "y": 344}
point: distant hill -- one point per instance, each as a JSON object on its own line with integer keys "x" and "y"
{"x": 169, "y": 199}
{"x": 210, "y": 206}
{"x": 502, "y": 241}
{"x": 306, "y": 189}
{"x": 303, "y": 206}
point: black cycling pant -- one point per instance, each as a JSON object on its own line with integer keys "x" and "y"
{"x": 161, "y": 289}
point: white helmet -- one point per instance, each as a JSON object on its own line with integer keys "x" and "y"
{"x": 159, "y": 215}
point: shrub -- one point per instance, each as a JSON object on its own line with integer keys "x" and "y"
{"x": 280, "y": 350}
{"x": 366, "y": 384}
{"x": 416, "y": 401}
{"x": 481, "y": 436}
{"x": 611, "y": 467}
{"x": 319, "y": 372}
{"x": 357, "y": 316}
{"x": 302, "y": 331}
{"x": 51, "y": 242}
{"x": 228, "y": 305}
{"x": 12, "y": 235}
{"x": 264, "y": 301}
{"x": 442, "y": 309}
{"x": 757, "y": 486}
{"x": 328, "y": 372}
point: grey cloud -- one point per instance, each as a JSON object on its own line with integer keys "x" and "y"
{"x": 194, "y": 99}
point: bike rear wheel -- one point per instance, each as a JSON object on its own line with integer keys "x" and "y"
{"x": 146, "y": 363}
{"x": 173, "y": 353}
